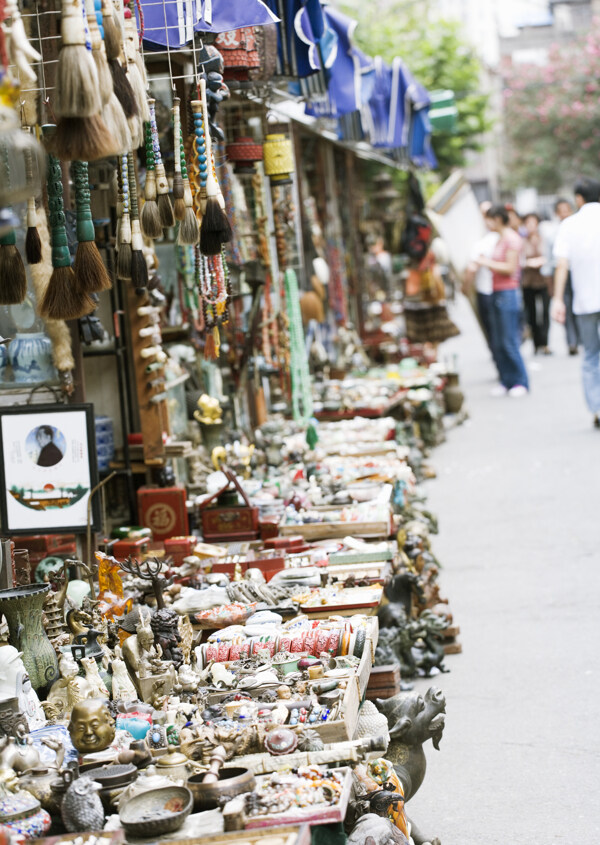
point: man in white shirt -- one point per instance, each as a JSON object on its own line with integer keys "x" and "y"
{"x": 577, "y": 249}
{"x": 482, "y": 276}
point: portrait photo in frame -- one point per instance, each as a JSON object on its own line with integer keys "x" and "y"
{"x": 47, "y": 469}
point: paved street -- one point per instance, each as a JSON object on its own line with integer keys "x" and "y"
{"x": 517, "y": 495}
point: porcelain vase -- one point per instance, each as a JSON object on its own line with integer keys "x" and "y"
{"x": 453, "y": 395}
{"x": 31, "y": 358}
{"x": 3, "y": 361}
{"x": 22, "y": 607}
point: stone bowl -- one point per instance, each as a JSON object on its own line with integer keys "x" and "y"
{"x": 232, "y": 782}
{"x": 157, "y": 812}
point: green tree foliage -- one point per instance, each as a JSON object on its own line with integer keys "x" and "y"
{"x": 439, "y": 57}
{"x": 552, "y": 116}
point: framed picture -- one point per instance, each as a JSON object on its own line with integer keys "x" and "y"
{"x": 47, "y": 469}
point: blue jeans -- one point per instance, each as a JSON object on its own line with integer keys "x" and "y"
{"x": 589, "y": 334}
{"x": 570, "y": 320}
{"x": 485, "y": 308}
{"x": 506, "y": 315}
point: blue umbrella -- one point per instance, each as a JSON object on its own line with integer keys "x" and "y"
{"x": 172, "y": 23}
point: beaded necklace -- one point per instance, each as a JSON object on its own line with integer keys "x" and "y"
{"x": 214, "y": 282}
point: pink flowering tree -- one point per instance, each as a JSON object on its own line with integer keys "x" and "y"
{"x": 552, "y": 116}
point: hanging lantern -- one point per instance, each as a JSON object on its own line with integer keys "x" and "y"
{"x": 244, "y": 152}
{"x": 279, "y": 158}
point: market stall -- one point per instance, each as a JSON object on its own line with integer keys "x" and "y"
{"x": 217, "y": 582}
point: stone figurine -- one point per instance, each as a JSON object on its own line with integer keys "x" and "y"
{"x": 12, "y": 721}
{"x": 81, "y": 807}
{"x": 144, "y": 660}
{"x": 412, "y": 720}
{"x": 92, "y": 676}
{"x": 165, "y": 625}
{"x": 416, "y": 644}
{"x": 69, "y": 690}
{"x": 400, "y": 591}
{"x": 92, "y": 727}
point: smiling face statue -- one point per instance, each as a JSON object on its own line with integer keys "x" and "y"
{"x": 91, "y": 728}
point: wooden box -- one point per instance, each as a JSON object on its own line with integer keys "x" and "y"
{"x": 310, "y": 815}
{"x": 164, "y": 511}
{"x": 287, "y": 835}
{"x": 122, "y": 549}
{"x": 379, "y": 529}
{"x": 237, "y": 522}
{"x": 221, "y": 524}
{"x": 384, "y": 682}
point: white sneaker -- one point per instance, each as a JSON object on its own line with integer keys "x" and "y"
{"x": 517, "y": 391}
{"x": 498, "y": 390}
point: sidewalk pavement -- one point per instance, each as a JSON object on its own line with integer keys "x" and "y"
{"x": 518, "y": 499}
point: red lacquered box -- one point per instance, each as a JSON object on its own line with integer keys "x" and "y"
{"x": 177, "y": 548}
{"x": 164, "y": 511}
{"x": 288, "y": 543}
{"x": 123, "y": 549}
{"x": 269, "y": 528}
{"x": 237, "y": 522}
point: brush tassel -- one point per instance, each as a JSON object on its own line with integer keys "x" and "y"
{"x": 33, "y": 243}
{"x": 13, "y": 279}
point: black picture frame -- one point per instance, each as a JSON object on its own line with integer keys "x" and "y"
{"x": 88, "y": 432}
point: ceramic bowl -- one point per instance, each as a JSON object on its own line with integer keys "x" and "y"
{"x": 157, "y": 812}
{"x": 287, "y": 666}
{"x": 232, "y": 782}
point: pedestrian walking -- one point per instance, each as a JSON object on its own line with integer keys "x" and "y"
{"x": 564, "y": 209}
{"x": 506, "y": 300}
{"x": 481, "y": 277}
{"x": 577, "y": 249}
{"x": 536, "y": 294}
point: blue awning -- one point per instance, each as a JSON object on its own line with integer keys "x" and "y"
{"x": 172, "y": 23}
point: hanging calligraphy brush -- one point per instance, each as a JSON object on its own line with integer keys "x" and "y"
{"x": 89, "y": 268}
{"x": 139, "y": 268}
{"x": 150, "y": 217}
{"x": 178, "y": 187}
{"x": 113, "y": 35}
{"x": 63, "y": 298}
{"x": 189, "y": 230}
{"x": 13, "y": 280}
{"x": 112, "y": 110}
{"x": 77, "y": 86}
{"x": 33, "y": 244}
{"x": 215, "y": 229}
{"x": 80, "y": 132}
{"x": 137, "y": 78}
{"x": 165, "y": 207}
{"x": 124, "y": 253}
{"x": 113, "y": 42}
{"x": 199, "y": 157}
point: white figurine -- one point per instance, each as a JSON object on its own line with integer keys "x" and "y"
{"x": 122, "y": 686}
{"x": 15, "y": 683}
{"x": 92, "y": 676}
{"x": 20, "y": 51}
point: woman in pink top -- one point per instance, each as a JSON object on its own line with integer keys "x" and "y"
{"x": 506, "y": 302}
